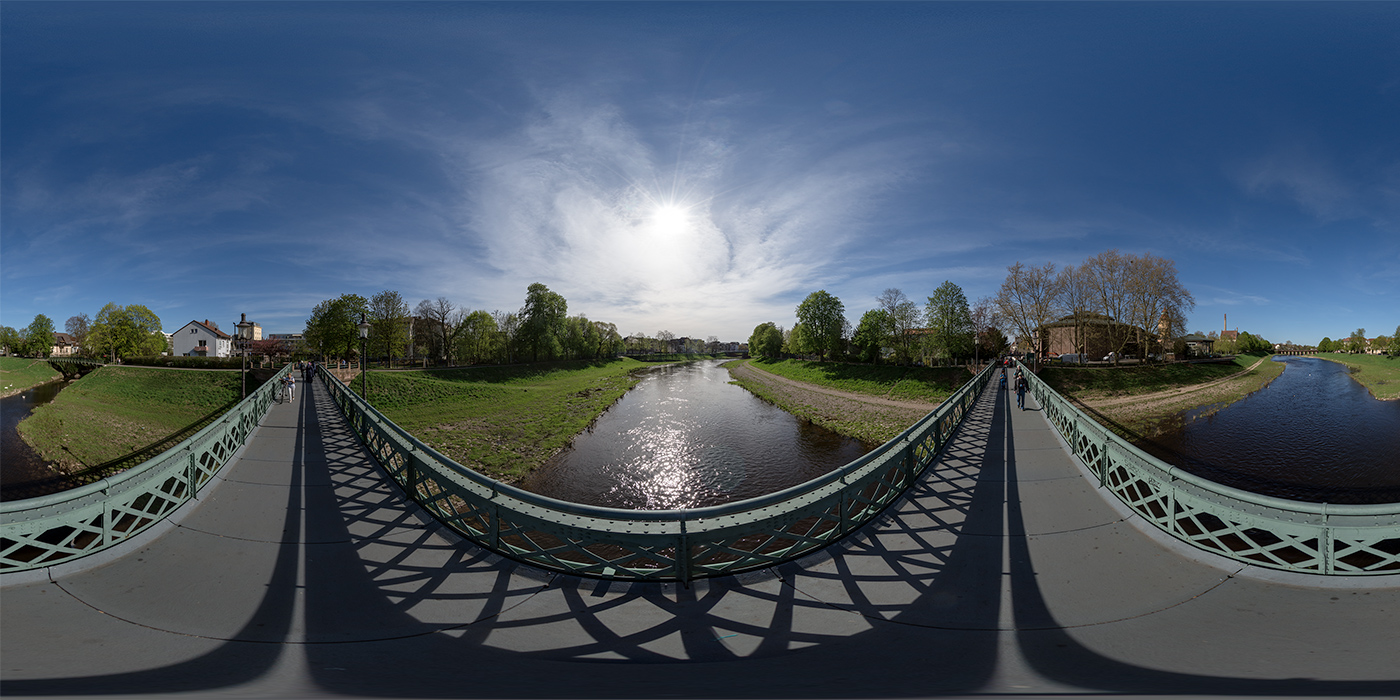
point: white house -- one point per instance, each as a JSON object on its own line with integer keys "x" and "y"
{"x": 205, "y": 339}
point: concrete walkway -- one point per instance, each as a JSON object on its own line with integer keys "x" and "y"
{"x": 1005, "y": 572}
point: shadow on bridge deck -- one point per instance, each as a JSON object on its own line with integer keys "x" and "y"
{"x": 1003, "y": 572}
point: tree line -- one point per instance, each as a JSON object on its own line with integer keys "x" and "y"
{"x": 1356, "y": 343}
{"x": 947, "y": 330}
{"x": 439, "y": 330}
{"x": 1139, "y": 294}
{"x": 117, "y": 332}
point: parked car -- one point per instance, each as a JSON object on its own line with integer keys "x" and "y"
{"x": 1073, "y": 358}
{"x": 1110, "y": 357}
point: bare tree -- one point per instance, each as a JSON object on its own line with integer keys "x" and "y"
{"x": 1076, "y": 296}
{"x": 1155, "y": 295}
{"x": 984, "y": 317}
{"x": 1111, "y": 274}
{"x": 1027, "y": 301}
{"x": 77, "y": 326}
{"x": 903, "y": 316}
{"x": 439, "y": 325}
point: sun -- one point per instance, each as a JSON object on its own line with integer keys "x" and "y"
{"x": 670, "y": 219}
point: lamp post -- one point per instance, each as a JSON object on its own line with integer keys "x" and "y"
{"x": 364, "y": 364}
{"x": 245, "y": 334}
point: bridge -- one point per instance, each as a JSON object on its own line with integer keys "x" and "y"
{"x": 286, "y": 559}
{"x": 72, "y": 367}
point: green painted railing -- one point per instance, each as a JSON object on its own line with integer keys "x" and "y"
{"x": 54, "y": 529}
{"x": 660, "y": 545}
{"x": 1315, "y": 538}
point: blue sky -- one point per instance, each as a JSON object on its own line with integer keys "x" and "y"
{"x": 698, "y": 168}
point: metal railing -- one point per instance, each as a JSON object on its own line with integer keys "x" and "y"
{"x": 659, "y": 545}
{"x": 41, "y": 532}
{"x": 1278, "y": 533}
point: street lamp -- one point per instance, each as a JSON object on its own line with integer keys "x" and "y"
{"x": 364, "y": 365}
{"x": 245, "y": 334}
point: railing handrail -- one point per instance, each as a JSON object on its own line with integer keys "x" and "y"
{"x": 1279, "y": 533}
{"x": 1176, "y": 473}
{"x": 908, "y": 454}
{"x": 90, "y": 511}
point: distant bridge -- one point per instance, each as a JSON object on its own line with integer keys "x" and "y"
{"x": 72, "y": 367}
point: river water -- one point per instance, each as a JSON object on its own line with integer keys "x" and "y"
{"x": 685, "y": 437}
{"x": 1314, "y": 434}
{"x": 23, "y": 473}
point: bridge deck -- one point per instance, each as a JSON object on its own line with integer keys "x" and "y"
{"x": 304, "y": 573}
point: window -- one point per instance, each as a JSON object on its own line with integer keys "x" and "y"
{"x": 203, "y": 343}
{"x": 192, "y": 330}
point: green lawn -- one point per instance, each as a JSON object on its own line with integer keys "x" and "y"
{"x": 115, "y": 411}
{"x": 931, "y": 384}
{"x": 501, "y": 421}
{"x": 20, "y": 373}
{"x": 1379, "y": 374}
{"x": 1131, "y": 380}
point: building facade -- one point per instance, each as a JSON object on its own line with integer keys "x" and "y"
{"x": 198, "y": 339}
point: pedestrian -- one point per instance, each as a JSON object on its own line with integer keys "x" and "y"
{"x": 291, "y": 387}
{"x": 1021, "y": 386}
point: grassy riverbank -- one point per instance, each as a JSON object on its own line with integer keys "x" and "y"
{"x": 502, "y": 421}
{"x": 1379, "y": 374}
{"x": 873, "y": 421}
{"x": 115, "y": 411}
{"x": 1142, "y": 402}
{"x": 928, "y": 384}
{"x": 18, "y": 374}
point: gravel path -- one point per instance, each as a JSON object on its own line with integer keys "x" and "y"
{"x": 1170, "y": 393}
{"x": 769, "y": 378}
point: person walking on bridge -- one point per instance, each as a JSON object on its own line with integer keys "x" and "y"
{"x": 1021, "y": 386}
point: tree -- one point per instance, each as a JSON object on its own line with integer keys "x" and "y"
{"x": 125, "y": 331}
{"x": 11, "y": 340}
{"x": 950, "y": 322}
{"x": 985, "y": 319}
{"x": 1382, "y": 344}
{"x": 766, "y": 340}
{"x": 1075, "y": 292}
{"x": 542, "y": 322}
{"x": 440, "y": 321}
{"x": 39, "y": 336}
{"x": 823, "y": 320}
{"x": 1154, "y": 295}
{"x": 1027, "y": 300}
{"x": 388, "y": 321}
{"x": 1250, "y": 344}
{"x": 1111, "y": 273}
{"x": 1357, "y": 342}
{"x": 77, "y": 326}
{"x": 871, "y": 335}
{"x": 1395, "y": 343}
{"x": 333, "y": 328}
{"x": 1327, "y": 345}
{"x": 903, "y": 316}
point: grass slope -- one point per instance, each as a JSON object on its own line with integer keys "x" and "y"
{"x": 1089, "y": 383}
{"x": 115, "y": 411}
{"x": 1379, "y": 374}
{"x": 931, "y": 384}
{"x": 502, "y": 421}
{"x": 18, "y": 374}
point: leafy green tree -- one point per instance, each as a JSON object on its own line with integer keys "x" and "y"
{"x": 1357, "y": 342}
{"x": 766, "y": 340}
{"x": 822, "y": 319}
{"x": 542, "y": 322}
{"x": 11, "y": 340}
{"x": 478, "y": 339}
{"x": 903, "y": 316}
{"x": 1395, "y": 343}
{"x": 950, "y": 322}
{"x": 388, "y": 320}
{"x": 39, "y": 336}
{"x": 125, "y": 331}
{"x": 333, "y": 328}
{"x": 1382, "y": 344}
{"x": 872, "y": 334}
{"x": 1250, "y": 344}
{"x": 1326, "y": 345}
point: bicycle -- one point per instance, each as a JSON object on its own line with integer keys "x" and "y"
{"x": 281, "y": 394}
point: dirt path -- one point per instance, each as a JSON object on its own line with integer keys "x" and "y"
{"x": 1169, "y": 393}
{"x": 770, "y": 378}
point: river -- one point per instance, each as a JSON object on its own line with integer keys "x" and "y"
{"x": 685, "y": 437}
{"x": 23, "y": 474}
{"x": 1314, "y": 434}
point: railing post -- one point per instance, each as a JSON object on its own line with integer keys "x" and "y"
{"x": 683, "y": 555}
{"x": 192, "y": 472}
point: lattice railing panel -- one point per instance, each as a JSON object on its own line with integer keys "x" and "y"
{"x": 49, "y": 530}
{"x": 1314, "y": 538}
{"x": 656, "y": 545}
